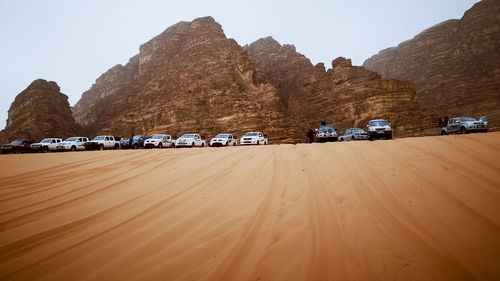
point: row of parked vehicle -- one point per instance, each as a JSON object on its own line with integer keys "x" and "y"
{"x": 378, "y": 128}
{"x": 140, "y": 141}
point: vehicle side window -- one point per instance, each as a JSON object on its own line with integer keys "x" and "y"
{"x": 106, "y": 138}
{"x": 260, "y": 135}
{"x": 457, "y": 121}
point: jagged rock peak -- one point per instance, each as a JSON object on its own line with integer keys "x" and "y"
{"x": 342, "y": 62}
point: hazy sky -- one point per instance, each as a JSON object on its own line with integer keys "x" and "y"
{"x": 73, "y": 42}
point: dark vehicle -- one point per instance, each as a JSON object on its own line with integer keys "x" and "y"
{"x": 326, "y": 133}
{"x": 138, "y": 141}
{"x": 125, "y": 144}
{"x": 17, "y": 146}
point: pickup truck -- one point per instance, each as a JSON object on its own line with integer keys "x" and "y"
{"x": 17, "y": 146}
{"x": 464, "y": 125}
{"x": 253, "y": 138}
{"x": 159, "y": 141}
{"x": 73, "y": 144}
{"x": 46, "y": 145}
{"x": 190, "y": 140}
{"x": 103, "y": 142}
{"x": 223, "y": 140}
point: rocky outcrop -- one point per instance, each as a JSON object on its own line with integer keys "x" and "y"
{"x": 190, "y": 78}
{"x": 39, "y": 111}
{"x": 345, "y": 95}
{"x": 455, "y": 65}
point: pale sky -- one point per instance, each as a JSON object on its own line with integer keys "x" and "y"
{"x": 73, "y": 42}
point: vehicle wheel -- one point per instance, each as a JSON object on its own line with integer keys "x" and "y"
{"x": 160, "y": 145}
{"x": 101, "y": 147}
{"x": 202, "y": 145}
{"x": 45, "y": 149}
{"x": 463, "y": 130}
{"x": 234, "y": 143}
{"x": 17, "y": 151}
{"x": 73, "y": 148}
{"x": 443, "y": 133}
{"x": 370, "y": 138}
{"x": 117, "y": 146}
{"x": 388, "y": 137}
{"x": 227, "y": 143}
{"x": 352, "y": 138}
{"x": 173, "y": 145}
{"x": 135, "y": 146}
{"x": 265, "y": 143}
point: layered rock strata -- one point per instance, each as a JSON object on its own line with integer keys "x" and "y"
{"x": 40, "y": 111}
{"x": 455, "y": 65}
{"x": 188, "y": 79}
{"x": 345, "y": 95}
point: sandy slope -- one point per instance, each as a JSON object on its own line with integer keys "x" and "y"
{"x": 408, "y": 209}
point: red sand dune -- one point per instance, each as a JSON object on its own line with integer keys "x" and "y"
{"x": 408, "y": 209}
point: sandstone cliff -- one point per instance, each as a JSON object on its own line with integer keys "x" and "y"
{"x": 39, "y": 111}
{"x": 190, "y": 78}
{"x": 455, "y": 65}
{"x": 346, "y": 96}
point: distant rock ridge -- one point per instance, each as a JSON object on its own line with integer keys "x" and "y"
{"x": 39, "y": 111}
{"x": 455, "y": 65}
{"x": 346, "y": 96}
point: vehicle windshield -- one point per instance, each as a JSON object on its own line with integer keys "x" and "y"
{"x": 378, "y": 123}
{"x": 252, "y": 134}
{"x": 156, "y": 137}
{"x": 71, "y": 139}
{"x": 188, "y": 136}
{"x": 357, "y": 130}
{"x": 222, "y": 136}
{"x": 45, "y": 141}
{"x": 326, "y": 129}
{"x": 466, "y": 119}
{"x": 17, "y": 142}
{"x": 136, "y": 138}
{"x": 99, "y": 138}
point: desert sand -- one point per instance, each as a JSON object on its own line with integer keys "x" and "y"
{"x": 406, "y": 209}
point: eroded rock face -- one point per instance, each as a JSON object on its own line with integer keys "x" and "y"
{"x": 346, "y": 96}
{"x": 455, "y": 65}
{"x": 188, "y": 79}
{"x": 39, "y": 111}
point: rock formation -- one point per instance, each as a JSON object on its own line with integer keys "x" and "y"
{"x": 346, "y": 95}
{"x": 39, "y": 111}
{"x": 455, "y": 65}
{"x": 190, "y": 78}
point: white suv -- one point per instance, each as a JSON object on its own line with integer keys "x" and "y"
{"x": 253, "y": 138}
{"x": 223, "y": 140}
{"x": 159, "y": 141}
{"x": 46, "y": 145}
{"x": 379, "y": 128}
{"x": 190, "y": 140}
{"x": 73, "y": 144}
